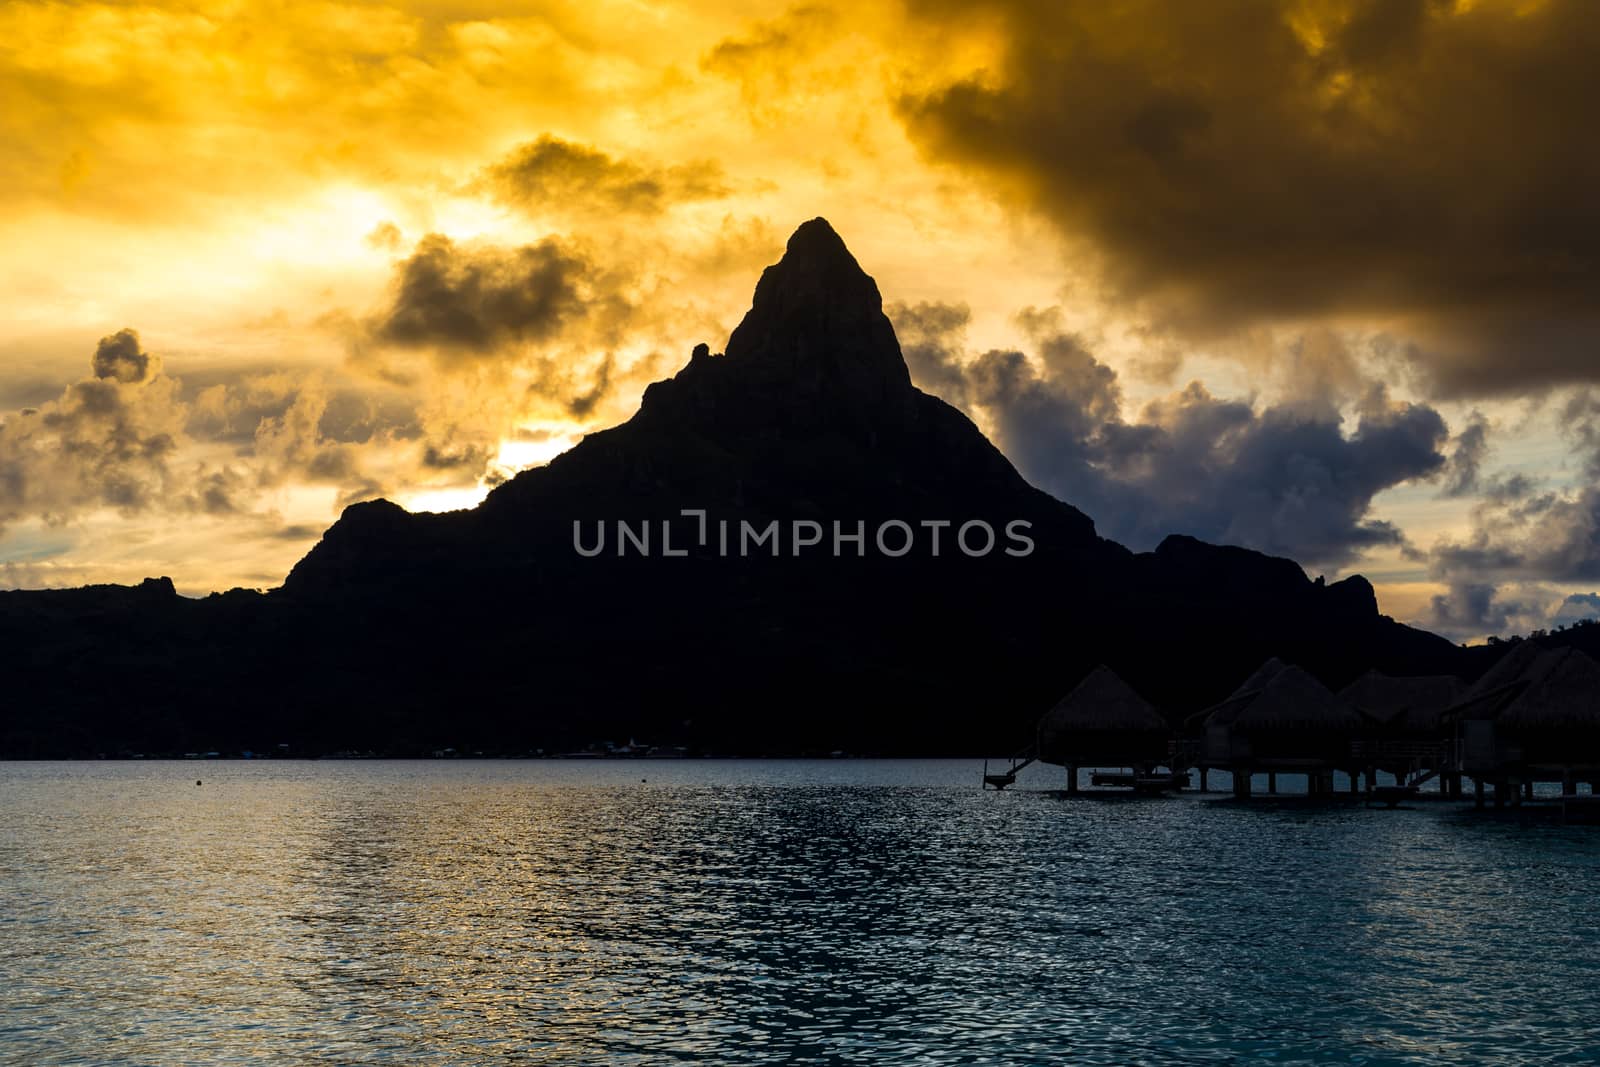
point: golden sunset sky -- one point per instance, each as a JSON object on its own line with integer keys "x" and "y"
{"x": 1315, "y": 277}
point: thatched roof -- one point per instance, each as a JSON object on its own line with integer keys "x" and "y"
{"x": 1404, "y": 701}
{"x": 1103, "y": 703}
{"x": 1506, "y": 682}
{"x": 1485, "y": 705}
{"x": 1514, "y": 666}
{"x": 1295, "y": 701}
{"x": 1564, "y": 692}
{"x": 1260, "y": 677}
{"x": 1223, "y": 713}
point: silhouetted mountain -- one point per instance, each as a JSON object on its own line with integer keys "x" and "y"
{"x": 810, "y": 414}
{"x": 530, "y": 620}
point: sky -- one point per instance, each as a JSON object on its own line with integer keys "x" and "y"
{"x": 1318, "y": 277}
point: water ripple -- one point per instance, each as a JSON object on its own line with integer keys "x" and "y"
{"x": 751, "y": 913}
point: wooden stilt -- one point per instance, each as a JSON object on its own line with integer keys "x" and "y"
{"x": 1477, "y": 792}
{"x": 1272, "y": 781}
{"x": 1072, "y": 778}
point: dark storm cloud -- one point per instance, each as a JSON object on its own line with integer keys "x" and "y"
{"x": 773, "y": 48}
{"x": 1238, "y": 161}
{"x": 1521, "y": 530}
{"x": 356, "y": 417}
{"x": 121, "y": 357}
{"x": 1579, "y": 606}
{"x": 129, "y": 438}
{"x": 297, "y": 532}
{"x": 233, "y": 412}
{"x": 1505, "y": 489}
{"x": 931, "y": 336}
{"x": 553, "y": 174}
{"x": 1526, "y": 541}
{"x": 474, "y": 299}
{"x": 285, "y": 428}
{"x": 1280, "y": 479}
{"x": 107, "y": 441}
{"x": 1550, "y": 535}
{"x": 132, "y": 439}
{"x": 542, "y": 322}
{"x": 368, "y": 490}
{"x": 471, "y": 457}
{"x": 1471, "y": 609}
{"x": 215, "y": 493}
{"x": 1581, "y": 419}
{"x": 1466, "y": 457}
{"x": 582, "y": 404}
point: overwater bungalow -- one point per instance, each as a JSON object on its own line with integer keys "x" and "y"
{"x": 1409, "y": 707}
{"x": 1194, "y": 727}
{"x": 1291, "y": 723}
{"x": 1534, "y": 717}
{"x": 1407, "y": 734}
{"x": 1104, "y": 723}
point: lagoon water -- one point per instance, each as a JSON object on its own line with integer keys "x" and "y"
{"x": 769, "y": 912}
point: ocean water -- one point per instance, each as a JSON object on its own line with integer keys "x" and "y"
{"x": 770, "y": 912}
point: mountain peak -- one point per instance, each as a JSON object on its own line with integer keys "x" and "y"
{"x": 817, "y": 319}
{"x": 815, "y": 241}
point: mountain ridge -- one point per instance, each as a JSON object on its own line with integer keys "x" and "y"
{"x": 489, "y": 628}
{"x": 812, "y": 370}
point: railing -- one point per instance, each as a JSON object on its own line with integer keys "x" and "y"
{"x": 1439, "y": 752}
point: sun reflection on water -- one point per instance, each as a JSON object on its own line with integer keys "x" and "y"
{"x": 765, "y": 912}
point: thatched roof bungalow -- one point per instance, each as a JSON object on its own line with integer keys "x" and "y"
{"x": 1502, "y": 683}
{"x": 1293, "y": 720}
{"x": 1492, "y": 693}
{"x": 1563, "y": 695}
{"x": 1410, "y": 708}
{"x": 1103, "y": 722}
{"x": 1542, "y": 711}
